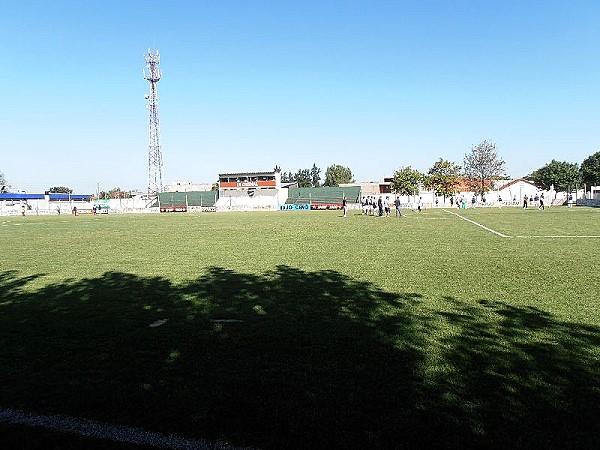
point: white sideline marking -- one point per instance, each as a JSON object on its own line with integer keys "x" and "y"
{"x": 118, "y": 433}
{"x": 556, "y": 236}
{"x": 478, "y": 224}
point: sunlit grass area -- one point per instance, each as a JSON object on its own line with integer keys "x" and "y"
{"x": 307, "y": 330}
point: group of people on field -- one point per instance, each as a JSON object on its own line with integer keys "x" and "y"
{"x": 537, "y": 201}
{"x": 381, "y": 206}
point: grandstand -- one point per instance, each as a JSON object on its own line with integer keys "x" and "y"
{"x": 249, "y": 191}
{"x": 323, "y": 197}
{"x": 186, "y": 201}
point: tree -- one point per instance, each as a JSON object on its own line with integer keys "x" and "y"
{"x": 560, "y": 175}
{"x": 590, "y": 170}
{"x": 315, "y": 175}
{"x": 443, "y": 177}
{"x": 303, "y": 178}
{"x": 3, "y": 182}
{"x": 482, "y": 165}
{"x": 287, "y": 177}
{"x": 336, "y": 174}
{"x": 60, "y": 190}
{"x": 406, "y": 181}
{"x": 118, "y": 193}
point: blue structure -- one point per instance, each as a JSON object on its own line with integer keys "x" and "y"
{"x": 17, "y": 196}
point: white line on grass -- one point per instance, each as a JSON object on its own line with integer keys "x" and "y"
{"x": 115, "y": 433}
{"x": 555, "y": 236}
{"x": 478, "y": 224}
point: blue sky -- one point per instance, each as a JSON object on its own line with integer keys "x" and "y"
{"x": 371, "y": 85}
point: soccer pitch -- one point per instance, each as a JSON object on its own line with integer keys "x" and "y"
{"x": 446, "y": 328}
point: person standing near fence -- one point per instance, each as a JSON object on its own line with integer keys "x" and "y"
{"x": 344, "y": 205}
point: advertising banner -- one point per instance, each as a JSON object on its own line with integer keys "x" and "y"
{"x": 305, "y": 207}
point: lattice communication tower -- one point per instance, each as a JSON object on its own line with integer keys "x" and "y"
{"x": 155, "y": 164}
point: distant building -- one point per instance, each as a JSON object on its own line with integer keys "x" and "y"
{"x": 371, "y": 187}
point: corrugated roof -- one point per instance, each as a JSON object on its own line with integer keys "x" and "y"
{"x": 246, "y": 174}
{"x": 20, "y": 196}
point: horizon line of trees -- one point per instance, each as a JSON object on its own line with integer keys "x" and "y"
{"x": 481, "y": 166}
{"x": 305, "y": 178}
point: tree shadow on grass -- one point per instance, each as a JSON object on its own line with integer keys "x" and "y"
{"x": 296, "y": 359}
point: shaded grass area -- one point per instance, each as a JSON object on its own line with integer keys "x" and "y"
{"x": 27, "y": 438}
{"x": 295, "y": 358}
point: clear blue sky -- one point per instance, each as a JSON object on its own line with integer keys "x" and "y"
{"x": 371, "y": 85}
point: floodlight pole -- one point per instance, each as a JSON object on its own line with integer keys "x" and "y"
{"x": 155, "y": 164}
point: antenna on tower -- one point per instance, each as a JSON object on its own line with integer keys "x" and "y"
{"x": 155, "y": 164}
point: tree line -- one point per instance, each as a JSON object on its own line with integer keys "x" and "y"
{"x": 305, "y": 178}
{"x": 481, "y": 166}
{"x": 565, "y": 176}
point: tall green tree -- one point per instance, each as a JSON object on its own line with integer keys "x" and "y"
{"x": 287, "y": 177}
{"x": 60, "y": 190}
{"x": 315, "y": 175}
{"x": 336, "y": 174}
{"x": 442, "y": 177}
{"x": 563, "y": 176}
{"x": 482, "y": 165}
{"x": 590, "y": 170}
{"x": 406, "y": 181}
{"x": 303, "y": 178}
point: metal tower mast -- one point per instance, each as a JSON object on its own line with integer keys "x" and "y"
{"x": 155, "y": 164}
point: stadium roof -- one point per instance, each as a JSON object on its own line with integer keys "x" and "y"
{"x": 22, "y": 196}
{"x": 245, "y": 174}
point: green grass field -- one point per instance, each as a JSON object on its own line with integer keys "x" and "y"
{"x": 306, "y": 330}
